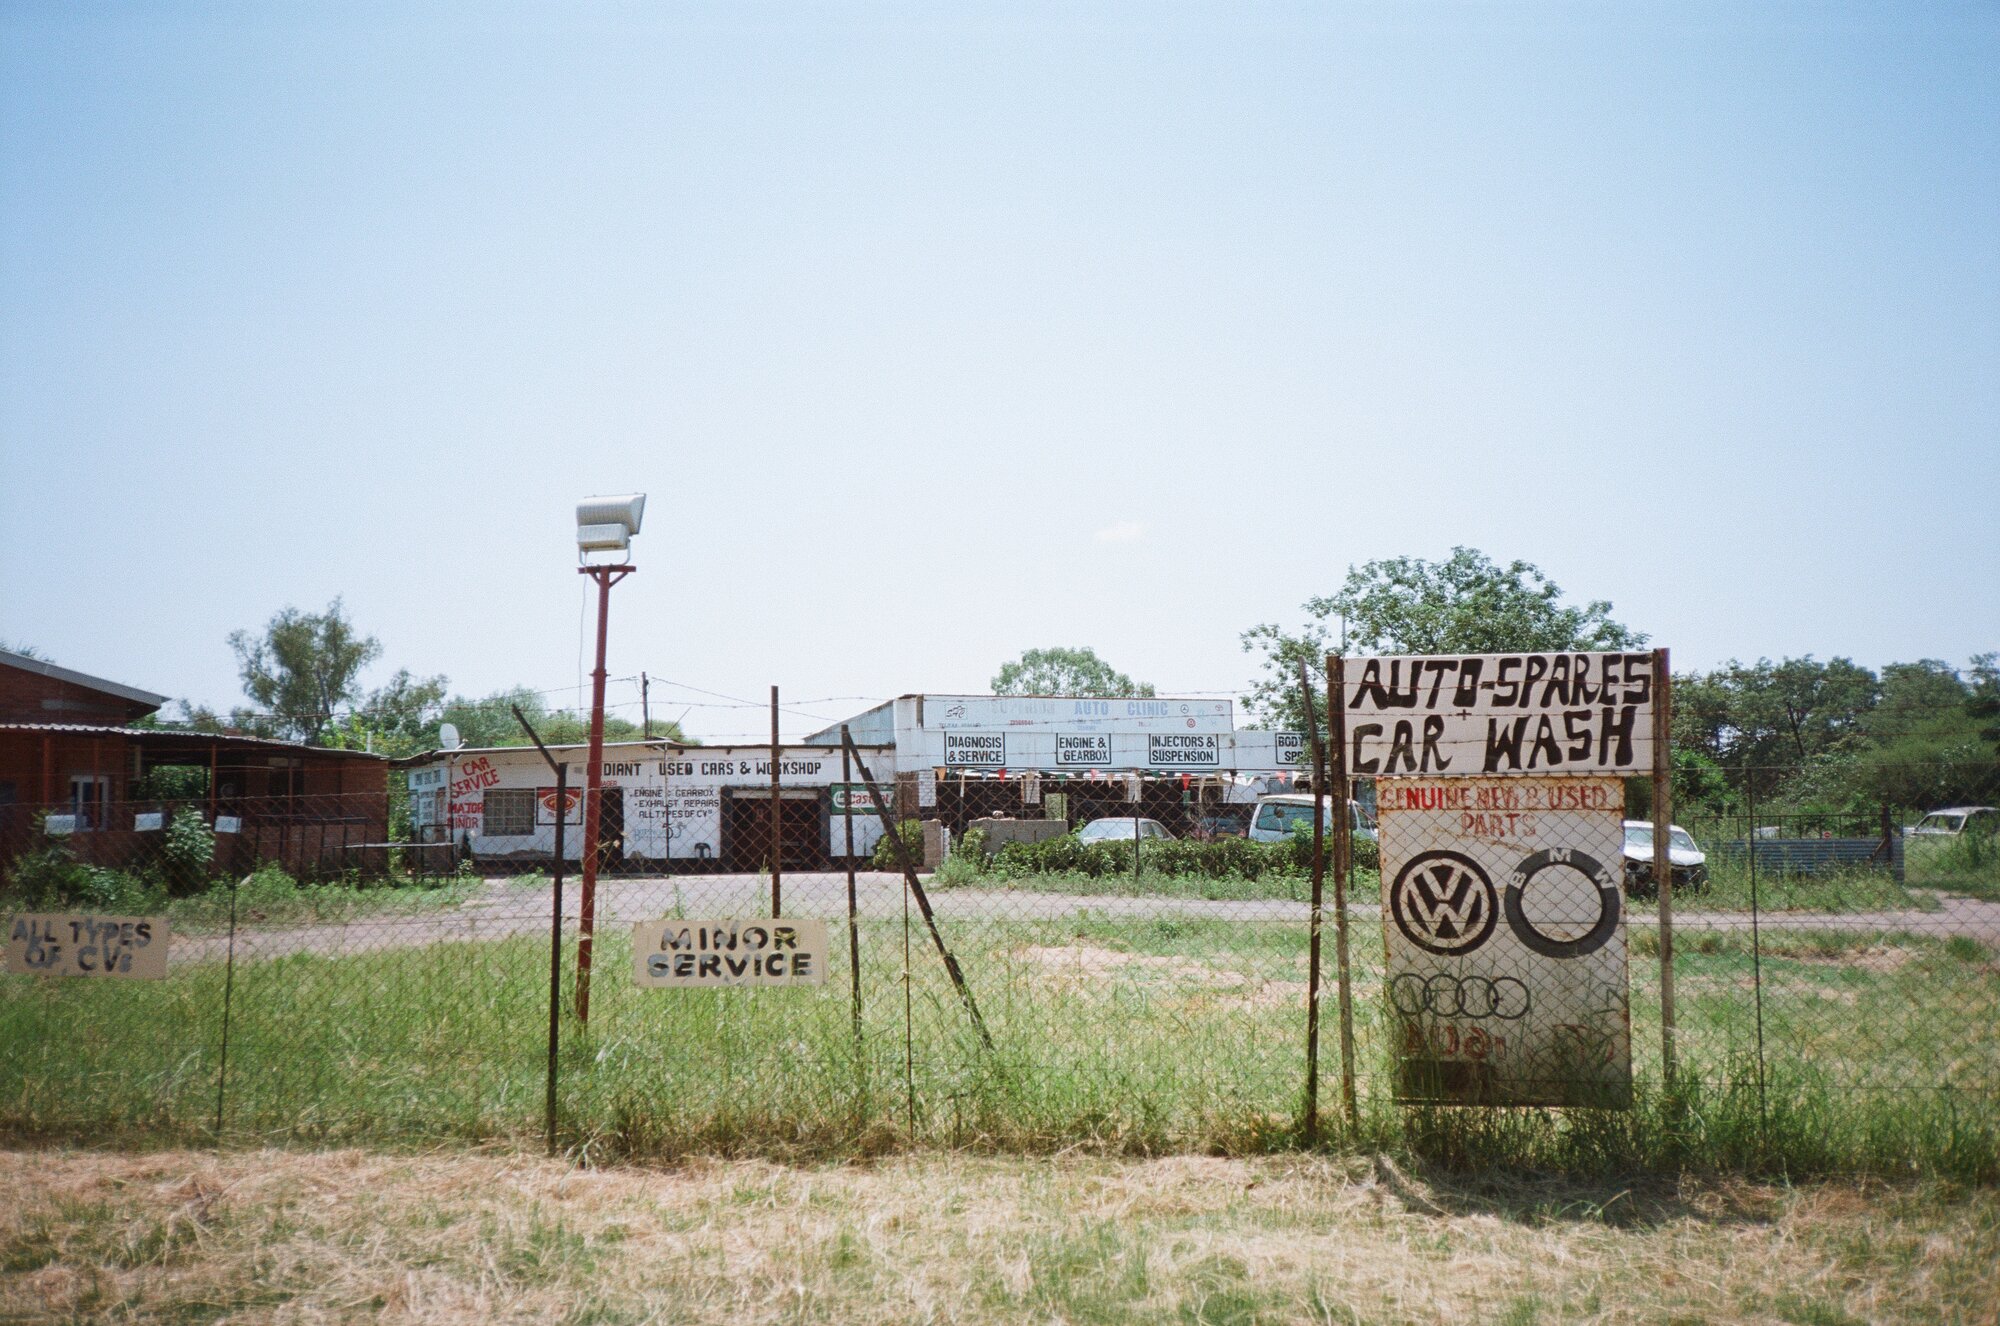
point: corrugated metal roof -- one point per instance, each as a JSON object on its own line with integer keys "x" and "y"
{"x": 83, "y": 679}
{"x": 183, "y": 735}
{"x": 583, "y": 748}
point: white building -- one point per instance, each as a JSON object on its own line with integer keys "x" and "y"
{"x": 951, "y": 757}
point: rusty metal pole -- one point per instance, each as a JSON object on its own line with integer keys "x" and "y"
{"x": 1318, "y": 914}
{"x": 777, "y": 818}
{"x": 853, "y": 926}
{"x": 593, "y": 781}
{"x": 1663, "y": 861}
{"x": 555, "y": 927}
{"x": 1343, "y": 868}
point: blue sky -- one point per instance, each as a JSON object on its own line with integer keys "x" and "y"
{"x": 936, "y": 333}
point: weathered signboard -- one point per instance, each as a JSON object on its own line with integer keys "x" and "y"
{"x": 1496, "y": 715}
{"x": 1083, "y": 750}
{"x": 971, "y": 712}
{"x": 697, "y": 954}
{"x": 1183, "y": 750}
{"x": 975, "y": 750}
{"x": 1503, "y": 921}
{"x": 86, "y": 944}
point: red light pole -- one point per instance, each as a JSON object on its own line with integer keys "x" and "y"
{"x": 593, "y": 780}
{"x": 603, "y": 524}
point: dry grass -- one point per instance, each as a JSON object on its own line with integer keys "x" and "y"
{"x": 285, "y": 1236}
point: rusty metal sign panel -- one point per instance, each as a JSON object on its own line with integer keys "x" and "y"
{"x": 1503, "y": 921}
{"x": 1498, "y": 715}
{"x": 696, "y": 954}
{"x": 86, "y": 944}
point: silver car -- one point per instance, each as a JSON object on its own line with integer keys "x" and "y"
{"x": 1955, "y": 821}
{"x": 1121, "y": 829}
{"x": 1690, "y": 863}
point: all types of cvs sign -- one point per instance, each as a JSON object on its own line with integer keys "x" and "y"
{"x": 1502, "y": 916}
{"x": 85, "y": 944}
{"x": 673, "y": 954}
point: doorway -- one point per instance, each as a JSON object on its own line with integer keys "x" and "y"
{"x": 610, "y": 828}
{"x": 746, "y": 828}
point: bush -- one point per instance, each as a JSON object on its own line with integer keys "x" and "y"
{"x": 912, "y": 834}
{"x": 1215, "y": 858}
{"x": 50, "y": 878}
{"x": 267, "y": 885}
{"x": 967, "y": 863}
{"x": 186, "y": 853}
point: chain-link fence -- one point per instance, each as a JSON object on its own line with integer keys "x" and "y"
{"x": 1093, "y": 956}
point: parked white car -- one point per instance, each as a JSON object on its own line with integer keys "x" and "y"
{"x": 1280, "y": 813}
{"x": 1956, "y": 820}
{"x": 1121, "y": 829}
{"x": 1689, "y": 862}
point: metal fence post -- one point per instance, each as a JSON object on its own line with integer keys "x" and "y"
{"x": 1343, "y": 864}
{"x": 1317, "y": 915}
{"x": 1756, "y": 948}
{"x": 1663, "y": 861}
{"x": 777, "y": 818}
{"x": 555, "y": 927}
{"x": 228, "y": 1000}
{"x": 853, "y": 926}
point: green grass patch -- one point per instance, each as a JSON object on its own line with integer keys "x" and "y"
{"x": 1110, "y": 1032}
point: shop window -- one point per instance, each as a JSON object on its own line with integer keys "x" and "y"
{"x": 88, "y": 794}
{"x": 509, "y": 812}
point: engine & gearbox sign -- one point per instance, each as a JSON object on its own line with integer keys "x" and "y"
{"x": 1503, "y": 921}
{"x": 696, "y": 954}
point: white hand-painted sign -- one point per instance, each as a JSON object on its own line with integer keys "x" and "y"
{"x": 676, "y": 954}
{"x": 1074, "y": 714}
{"x": 1083, "y": 750}
{"x": 975, "y": 750}
{"x": 1183, "y": 750}
{"x": 1503, "y": 921}
{"x": 84, "y": 944}
{"x": 1483, "y": 715}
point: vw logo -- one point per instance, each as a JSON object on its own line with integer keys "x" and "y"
{"x": 1449, "y": 996}
{"x": 1547, "y": 945}
{"x": 1443, "y": 903}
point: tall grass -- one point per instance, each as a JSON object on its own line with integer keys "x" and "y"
{"x": 1121, "y": 1035}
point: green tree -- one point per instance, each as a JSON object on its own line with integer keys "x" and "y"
{"x": 302, "y": 669}
{"x": 401, "y": 718}
{"x": 1983, "y": 700}
{"x": 490, "y": 722}
{"x": 1465, "y": 604}
{"x": 25, "y": 651}
{"x": 1062, "y": 671}
{"x": 1769, "y": 721}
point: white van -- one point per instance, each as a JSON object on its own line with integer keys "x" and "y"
{"x": 1277, "y": 814}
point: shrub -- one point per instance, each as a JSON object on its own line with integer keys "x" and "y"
{"x": 966, "y": 864}
{"x": 186, "y": 852}
{"x": 50, "y": 878}
{"x": 912, "y": 834}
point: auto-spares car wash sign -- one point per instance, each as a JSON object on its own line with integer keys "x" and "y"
{"x": 1468, "y": 715}
{"x": 1502, "y": 842}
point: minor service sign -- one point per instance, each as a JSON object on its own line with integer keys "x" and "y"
{"x": 1487, "y": 715}
{"x": 1503, "y": 921}
{"x": 671, "y": 954}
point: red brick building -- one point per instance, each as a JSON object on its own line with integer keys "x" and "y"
{"x": 68, "y": 750}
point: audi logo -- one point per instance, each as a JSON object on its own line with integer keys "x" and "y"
{"x": 1449, "y": 996}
